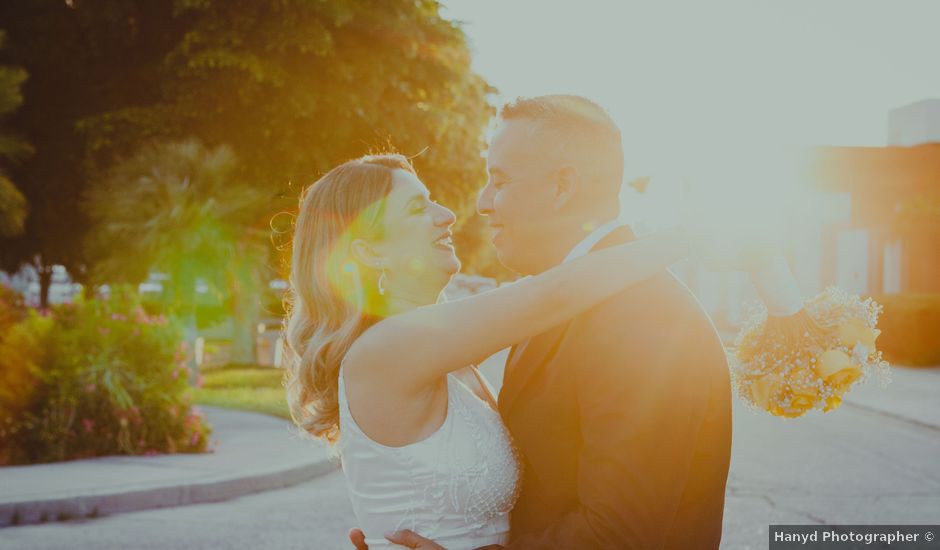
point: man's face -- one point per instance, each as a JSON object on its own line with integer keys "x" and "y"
{"x": 519, "y": 197}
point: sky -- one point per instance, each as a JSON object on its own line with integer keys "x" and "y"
{"x": 820, "y": 71}
{"x": 683, "y": 76}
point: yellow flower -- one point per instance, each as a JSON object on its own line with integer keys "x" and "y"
{"x": 837, "y": 370}
{"x": 764, "y": 391}
{"x": 832, "y": 402}
{"x": 856, "y": 331}
{"x": 803, "y": 399}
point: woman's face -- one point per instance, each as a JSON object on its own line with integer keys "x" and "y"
{"x": 417, "y": 243}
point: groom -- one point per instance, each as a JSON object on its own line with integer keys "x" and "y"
{"x": 623, "y": 414}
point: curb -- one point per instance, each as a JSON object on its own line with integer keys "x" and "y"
{"x": 894, "y": 416}
{"x": 212, "y": 482}
{"x": 92, "y": 505}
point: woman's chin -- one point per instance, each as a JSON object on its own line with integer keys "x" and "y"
{"x": 452, "y": 267}
{"x": 449, "y": 263}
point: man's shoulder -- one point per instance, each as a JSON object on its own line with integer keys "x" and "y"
{"x": 646, "y": 316}
{"x": 662, "y": 298}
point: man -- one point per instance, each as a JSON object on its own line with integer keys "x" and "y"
{"x": 623, "y": 414}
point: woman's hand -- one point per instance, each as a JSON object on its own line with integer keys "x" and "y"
{"x": 358, "y": 539}
{"x": 406, "y": 538}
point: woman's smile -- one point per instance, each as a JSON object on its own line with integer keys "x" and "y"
{"x": 444, "y": 242}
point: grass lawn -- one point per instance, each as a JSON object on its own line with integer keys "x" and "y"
{"x": 244, "y": 387}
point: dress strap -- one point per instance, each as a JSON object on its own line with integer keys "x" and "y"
{"x": 487, "y": 392}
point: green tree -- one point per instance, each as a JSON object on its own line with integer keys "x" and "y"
{"x": 12, "y": 147}
{"x": 83, "y": 59}
{"x": 296, "y": 87}
{"x": 183, "y": 209}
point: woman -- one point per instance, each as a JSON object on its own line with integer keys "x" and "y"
{"x": 378, "y": 364}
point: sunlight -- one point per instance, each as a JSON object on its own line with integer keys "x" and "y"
{"x": 344, "y": 272}
{"x": 747, "y": 195}
{"x": 742, "y": 195}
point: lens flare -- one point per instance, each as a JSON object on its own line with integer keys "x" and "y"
{"x": 347, "y": 277}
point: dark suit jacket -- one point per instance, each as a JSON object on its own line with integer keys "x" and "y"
{"x": 623, "y": 416}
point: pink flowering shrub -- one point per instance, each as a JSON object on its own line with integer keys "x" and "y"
{"x": 108, "y": 378}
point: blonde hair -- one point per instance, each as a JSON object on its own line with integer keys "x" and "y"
{"x": 329, "y": 305}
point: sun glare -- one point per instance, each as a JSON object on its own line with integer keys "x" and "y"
{"x": 749, "y": 196}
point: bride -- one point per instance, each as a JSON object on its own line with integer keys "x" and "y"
{"x": 380, "y": 366}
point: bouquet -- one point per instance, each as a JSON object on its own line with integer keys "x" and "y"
{"x": 792, "y": 357}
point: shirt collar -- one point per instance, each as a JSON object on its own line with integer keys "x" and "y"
{"x": 592, "y": 239}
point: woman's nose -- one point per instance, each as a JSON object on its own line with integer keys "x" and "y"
{"x": 446, "y": 217}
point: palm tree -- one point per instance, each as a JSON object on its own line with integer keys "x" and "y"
{"x": 179, "y": 208}
{"x": 12, "y": 202}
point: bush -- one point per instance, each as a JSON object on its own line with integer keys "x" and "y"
{"x": 12, "y": 308}
{"x": 106, "y": 378}
{"x": 910, "y": 329}
{"x": 23, "y": 335}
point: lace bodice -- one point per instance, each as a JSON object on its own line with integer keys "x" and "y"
{"x": 456, "y": 486}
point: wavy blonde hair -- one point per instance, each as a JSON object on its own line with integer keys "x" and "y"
{"x": 332, "y": 299}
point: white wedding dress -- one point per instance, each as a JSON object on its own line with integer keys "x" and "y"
{"x": 455, "y": 487}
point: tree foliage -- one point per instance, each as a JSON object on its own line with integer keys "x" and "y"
{"x": 83, "y": 59}
{"x": 296, "y": 87}
{"x": 182, "y": 209}
{"x": 12, "y": 148}
{"x": 293, "y": 87}
{"x": 178, "y": 208}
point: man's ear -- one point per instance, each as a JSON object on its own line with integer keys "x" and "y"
{"x": 567, "y": 181}
{"x": 363, "y": 252}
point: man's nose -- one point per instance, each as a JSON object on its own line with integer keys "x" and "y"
{"x": 485, "y": 201}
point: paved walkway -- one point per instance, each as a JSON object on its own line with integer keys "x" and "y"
{"x": 913, "y": 395}
{"x": 252, "y": 453}
{"x": 851, "y": 466}
{"x": 256, "y": 453}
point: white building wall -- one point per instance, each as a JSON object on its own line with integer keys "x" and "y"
{"x": 915, "y": 124}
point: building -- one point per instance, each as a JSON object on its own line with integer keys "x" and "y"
{"x": 891, "y": 241}
{"x": 870, "y": 225}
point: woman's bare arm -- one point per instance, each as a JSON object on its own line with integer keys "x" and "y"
{"x": 412, "y": 349}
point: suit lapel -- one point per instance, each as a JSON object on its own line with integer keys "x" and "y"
{"x": 526, "y": 361}
{"x": 529, "y": 357}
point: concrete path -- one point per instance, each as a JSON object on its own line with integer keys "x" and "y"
{"x": 872, "y": 461}
{"x": 252, "y": 453}
{"x": 315, "y": 515}
{"x": 913, "y": 395}
{"x": 851, "y": 466}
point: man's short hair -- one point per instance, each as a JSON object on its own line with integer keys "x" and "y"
{"x": 579, "y": 122}
{"x": 567, "y": 112}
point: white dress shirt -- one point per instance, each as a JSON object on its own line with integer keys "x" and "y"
{"x": 592, "y": 239}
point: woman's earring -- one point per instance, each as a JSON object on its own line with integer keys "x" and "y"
{"x": 382, "y": 279}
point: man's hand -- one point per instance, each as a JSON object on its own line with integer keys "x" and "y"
{"x": 410, "y": 539}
